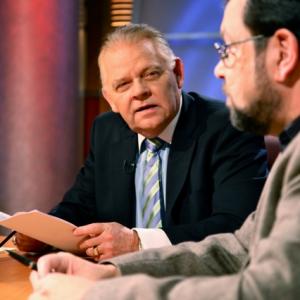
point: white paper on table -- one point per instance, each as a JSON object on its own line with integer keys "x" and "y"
{"x": 4, "y": 249}
{"x": 43, "y": 227}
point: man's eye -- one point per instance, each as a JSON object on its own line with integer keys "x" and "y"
{"x": 152, "y": 75}
{"x": 122, "y": 86}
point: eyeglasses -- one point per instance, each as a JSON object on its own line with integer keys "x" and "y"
{"x": 223, "y": 49}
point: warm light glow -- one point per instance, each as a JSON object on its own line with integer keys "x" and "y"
{"x": 121, "y": 18}
{"x": 121, "y": 12}
{"x": 118, "y": 24}
{"x": 121, "y": 1}
{"x": 122, "y": 6}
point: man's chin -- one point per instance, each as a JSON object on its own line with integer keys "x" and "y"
{"x": 244, "y": 122}
{"x": 228, "y": 102}
{"x": 147, "y": 130}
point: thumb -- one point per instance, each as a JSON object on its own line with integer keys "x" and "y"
{"x": 34, "y": 279}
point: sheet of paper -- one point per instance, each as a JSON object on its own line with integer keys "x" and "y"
{"x": 3, "y": 249}
{"x": 3, "y": 216}
{"x": 43, "y": 227}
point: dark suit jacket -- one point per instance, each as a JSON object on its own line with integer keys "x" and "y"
{"x": 214, "y": 178}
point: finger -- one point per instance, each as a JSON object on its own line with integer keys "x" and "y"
{"x": 92, "y": 242}
{"x": 44, "y": 287}
{"x": 98, "y": 254}
{"x": 90, "y": 229}
{"x": 95, "y": 251}
{"x": 90, "y": 252}
{"x": 39, "y": 292}
{"x": 56, "y": 262}
{"x": 46, "y": 264}
{"x": 105, "y": 251}
{"x": 34, "y": 279}
{"x": 37, "y": 296}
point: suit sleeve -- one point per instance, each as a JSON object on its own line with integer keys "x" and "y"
{"x": 235, "y": 172}
{"x": 78, "y": 204}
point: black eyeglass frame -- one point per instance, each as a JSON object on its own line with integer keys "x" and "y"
{"x": 223, "y": 48}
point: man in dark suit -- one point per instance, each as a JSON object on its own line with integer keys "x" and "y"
{"x": 211, "y": 174}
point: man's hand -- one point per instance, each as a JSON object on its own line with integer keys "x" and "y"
{"x": 66, "y": 263}
{"x": 107, "y": 240}
{"x": 65, "y": 276}
{"x": 28, "y": 244}
{"x": 58, "y": 286}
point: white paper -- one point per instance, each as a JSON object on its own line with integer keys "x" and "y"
{"x": 43, "y": 227}
{"x": 3, "y": 216}
{"x": 4, "y": 249}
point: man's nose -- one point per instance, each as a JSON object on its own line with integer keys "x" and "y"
{"x": 219, "y": 70}
{"x": 141, "y": 91}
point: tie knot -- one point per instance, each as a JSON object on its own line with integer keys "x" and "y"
{"x": 153, "y": 145}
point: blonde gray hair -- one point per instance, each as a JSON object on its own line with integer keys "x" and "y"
{"x": 134, "y": 33}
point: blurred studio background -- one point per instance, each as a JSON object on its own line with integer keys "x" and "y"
{"x": 49, "y": 82}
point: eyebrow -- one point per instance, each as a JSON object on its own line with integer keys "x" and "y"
{"x": 124, "y": 79}
{"x": 152, "y": 68}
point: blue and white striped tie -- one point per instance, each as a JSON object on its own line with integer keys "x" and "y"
{"x": 151, "y": 210}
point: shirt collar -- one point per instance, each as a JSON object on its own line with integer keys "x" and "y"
{"x": 289, "y": 133}
{"x": 167, "y": 134}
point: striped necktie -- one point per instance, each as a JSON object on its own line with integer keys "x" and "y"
{"x": 151, "y": 210}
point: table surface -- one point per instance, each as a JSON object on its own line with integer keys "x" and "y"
{"x": 14, "y": 278}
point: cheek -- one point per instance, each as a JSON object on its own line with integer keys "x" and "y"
{"x": 128, "y": 117}
{"x": 233, "y": 89}
{"x": 122, "y": 106}
{"x": 169, "y": 97}
{"x": 241, "y": 77}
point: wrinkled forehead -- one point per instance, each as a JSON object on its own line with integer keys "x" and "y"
{"x": 124, "y": 49}
{"x": 232, "y": 26}
{"x": 122, "y": 58}
{"x": 120, "y": 54}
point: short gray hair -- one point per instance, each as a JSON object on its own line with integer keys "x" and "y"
{"x": 134, "y": 33}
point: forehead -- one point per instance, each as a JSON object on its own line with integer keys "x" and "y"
{"x": 124, "y": 58}
{"x": 232, "y": 26}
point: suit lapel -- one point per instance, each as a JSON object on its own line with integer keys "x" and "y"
{"x": 181, "y": 150}
{"x": 122, "y": 157}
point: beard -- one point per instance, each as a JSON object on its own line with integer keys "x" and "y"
{"x": 260, "y": 113}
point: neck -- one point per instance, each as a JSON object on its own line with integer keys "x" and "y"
{"x": 289, "y": 111}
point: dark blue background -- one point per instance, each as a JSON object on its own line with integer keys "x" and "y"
{"x": 191, "y": 28}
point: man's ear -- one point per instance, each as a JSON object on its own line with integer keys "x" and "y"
{"x": 107, "y": 97}
{"x": 287, "y": 50}
{"x": 179, "y": 72}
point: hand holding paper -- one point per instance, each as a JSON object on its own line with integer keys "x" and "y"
{"x": 45, "y": 228}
